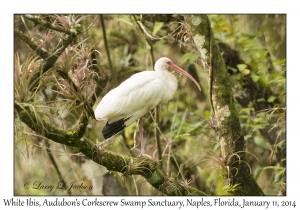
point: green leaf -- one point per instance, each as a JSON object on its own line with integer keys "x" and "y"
{"x": 261, "y": 100}
{"x": 278, "y": 175}
{"x": 248, "y": 136}
{"x": 232, "y": 69}
{"x": 271, "y": 99}
{"x": 241, "y": 67}
{"x": 242, "y": 39}
{"x": 279, "y": 145}
{"x": 157, "y": 27}
{"x": 244, "y": 117}
{"x": 235, "y": 77}
{"x": 189, "y": 58}
{"x": 254, "y": 77}
{"x": 273, "y": 167}
{"x": 247, "y": 110}
{"x": 215, "y": 146}
{"x": 207, "y": 114}
{"x": 195, "y": 127}
{"x": 279, "y": 171}
{"x": 261, "y": 142}
{"x": 257, "y": 173}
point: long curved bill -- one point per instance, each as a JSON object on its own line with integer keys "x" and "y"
{"x": 181, "y": 71}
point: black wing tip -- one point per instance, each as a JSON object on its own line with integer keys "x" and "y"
{"x": 113, "y": 128}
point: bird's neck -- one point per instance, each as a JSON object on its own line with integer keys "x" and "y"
{"x": 171, "y": 83}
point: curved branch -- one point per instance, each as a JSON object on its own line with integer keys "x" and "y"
{"x": 40, "y": 125}
{"x": 129, "y": 166}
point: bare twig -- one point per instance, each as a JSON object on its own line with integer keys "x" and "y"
{"x": 113, "y": 72}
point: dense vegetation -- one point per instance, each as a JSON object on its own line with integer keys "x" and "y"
{"x": 64, "y": 64}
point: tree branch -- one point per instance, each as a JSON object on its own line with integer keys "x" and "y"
{"x": 129, "y": 166}
{"x": 51, "y": 58}
{"x": 40, "y": 51}
{"x": 39, "y": 21}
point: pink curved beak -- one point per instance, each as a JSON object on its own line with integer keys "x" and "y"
{"x": 181, "y": 71}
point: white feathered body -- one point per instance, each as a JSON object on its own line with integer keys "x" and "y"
{"x": 136, "y": 96}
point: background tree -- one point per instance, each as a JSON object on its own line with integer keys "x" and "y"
{"x": 65, "y": 67}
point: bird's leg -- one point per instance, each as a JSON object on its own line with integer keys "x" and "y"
{"x": 141, "y": 137}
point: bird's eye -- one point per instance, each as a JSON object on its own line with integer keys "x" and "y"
{"x": 169, "y": 62}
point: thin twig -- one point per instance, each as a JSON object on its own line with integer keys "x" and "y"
{"x": 113, "y": 72}
{"x": 54, "y": 163}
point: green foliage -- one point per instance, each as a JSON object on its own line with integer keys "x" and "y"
{"x": 189, "y": 58}
{"x": 264, "y": 71}
{"x": 278, "y": 173}
{"x": 157, "y": 27}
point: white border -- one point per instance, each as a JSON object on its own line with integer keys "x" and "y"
{"x": 8, "y": 8}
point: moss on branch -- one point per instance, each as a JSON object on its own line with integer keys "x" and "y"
{"x": 39, "y": 21}
{"x": 128, "y": 166}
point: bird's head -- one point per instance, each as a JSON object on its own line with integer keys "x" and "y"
{"x": 164, "y": 64}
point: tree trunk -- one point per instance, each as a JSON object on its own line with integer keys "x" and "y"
{"x": 233, "y": 160}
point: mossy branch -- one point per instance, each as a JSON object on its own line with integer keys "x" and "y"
{"x": 40, "y": 125}
{"x": 228, "y": 126}
{"x": 54, "y": 55}
{"x": 128, "y": 166}
{"x": 40, "y": 51}
{"x": 39, "y": 21}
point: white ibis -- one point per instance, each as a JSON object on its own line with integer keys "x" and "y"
{"x": 136, "y": 96}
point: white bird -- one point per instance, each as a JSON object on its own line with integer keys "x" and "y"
{"x": 136, "y": 96}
